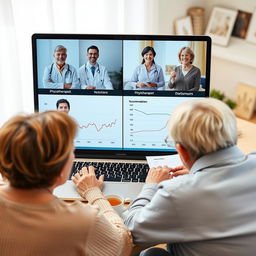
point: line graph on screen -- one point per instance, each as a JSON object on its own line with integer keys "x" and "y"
{"x": 150, "y": 114}
{"x": 98, "y": 127}
{"x": 99, "y": 119}
{"x": 147, "y": 121}
{"x": 101, "y": 127}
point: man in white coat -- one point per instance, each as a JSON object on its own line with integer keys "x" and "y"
{"x": 92, "y": 74}
{"x": 60, "y": 75}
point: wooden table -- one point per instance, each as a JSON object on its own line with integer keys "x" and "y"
{"x": 246, "y": 136}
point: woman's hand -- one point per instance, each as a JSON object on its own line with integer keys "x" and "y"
{"x": 140, "y": 85}
{"x": 151, "y": 85}
{"x": 158, "y": 174}
{"x": 87, "y": 179}
{"x": 173, "y": 74}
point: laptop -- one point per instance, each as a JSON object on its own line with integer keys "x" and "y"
{"x": 119, "y": 124}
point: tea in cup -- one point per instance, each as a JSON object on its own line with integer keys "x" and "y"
{"x": 117, "y": 202}
{"x": 114, "y": 201}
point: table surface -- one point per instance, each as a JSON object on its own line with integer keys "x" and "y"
{"x": 246, "y": 135}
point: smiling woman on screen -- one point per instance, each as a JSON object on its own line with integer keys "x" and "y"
{"x": 148, "y": 75}
{"x": 185, "y": 77}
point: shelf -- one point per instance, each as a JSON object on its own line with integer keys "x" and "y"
{"x": 238, "y": 50}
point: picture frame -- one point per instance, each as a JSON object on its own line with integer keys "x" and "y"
{"x": 183, "y": 26}
{"x": 169, "y": 69}
{"x": 251, "y": 33}
{"x": 246, "y": 100}
{"x": 241, "y": 24}
{"x": 220, "y": 25}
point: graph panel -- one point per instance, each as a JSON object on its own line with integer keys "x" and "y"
{"x": 146, "y": 120}
{"x": 98, "y": 117}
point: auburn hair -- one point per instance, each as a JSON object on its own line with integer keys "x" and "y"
{"x": 34, "y": 148}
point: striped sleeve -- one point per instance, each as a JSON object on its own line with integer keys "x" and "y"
{"x": 108, "y": 235}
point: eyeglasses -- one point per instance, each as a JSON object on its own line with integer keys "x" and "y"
{"x": 170, "y": 143}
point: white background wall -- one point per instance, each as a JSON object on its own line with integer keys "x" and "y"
{"x": 19, "y": 19}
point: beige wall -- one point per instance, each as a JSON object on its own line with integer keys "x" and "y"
{"x": 225, "y": 75}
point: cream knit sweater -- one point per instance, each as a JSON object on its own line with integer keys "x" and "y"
{"x": 60, "y": 229}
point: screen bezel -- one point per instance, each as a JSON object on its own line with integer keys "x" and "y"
{"x": 118, "y": 154}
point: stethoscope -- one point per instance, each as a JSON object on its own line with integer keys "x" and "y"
{"x": 50, "y": 73}
{"x": 155, "y": 72}
{"x": 86, "y": 69}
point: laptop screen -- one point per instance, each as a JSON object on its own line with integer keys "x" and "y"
{"x": 120, "y": 89}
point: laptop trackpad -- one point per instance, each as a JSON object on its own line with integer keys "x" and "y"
{"x": 128, "y": 190}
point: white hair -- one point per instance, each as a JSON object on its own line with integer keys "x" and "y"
{"x": 203, "y": 126}
{"x": 59, "y": 48}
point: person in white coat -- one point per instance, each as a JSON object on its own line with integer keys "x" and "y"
{"x": 60, "y": 75}
{"x": 148, "y": 75}
{"x": 92, "y": 74}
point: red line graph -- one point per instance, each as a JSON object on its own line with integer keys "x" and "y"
{"x": 157, "y": 130}
{"x": 153, "y": 114}
{"x": 98, "y": 128}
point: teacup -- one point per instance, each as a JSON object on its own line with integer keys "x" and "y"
{"x": 117, "y": 202}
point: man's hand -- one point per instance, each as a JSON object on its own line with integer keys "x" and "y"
{"x": 67, "y": 86}
{"x": 179, "y": 170}
{"x": 87, "y": 179}
{"x": 90, "y": 87}
{"x": 158, "y": 174}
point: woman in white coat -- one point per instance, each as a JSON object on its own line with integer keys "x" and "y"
{"x": 148, "y": 75}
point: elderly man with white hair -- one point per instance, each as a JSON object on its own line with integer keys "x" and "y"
{"x": 212, "y": 209}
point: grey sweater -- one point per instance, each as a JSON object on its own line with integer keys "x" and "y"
{"x": 189, "y": 82}
{"x": 210, "y": 211}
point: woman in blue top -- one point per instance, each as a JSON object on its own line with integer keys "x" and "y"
{"x": 148, "y": 75}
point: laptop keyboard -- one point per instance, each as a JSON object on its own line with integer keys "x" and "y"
{"x": 116, "y": 172}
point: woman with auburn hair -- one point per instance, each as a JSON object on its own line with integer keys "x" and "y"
{"x": 36, "y": 156}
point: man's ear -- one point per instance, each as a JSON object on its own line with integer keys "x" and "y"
{"x": 187, "y": 160}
